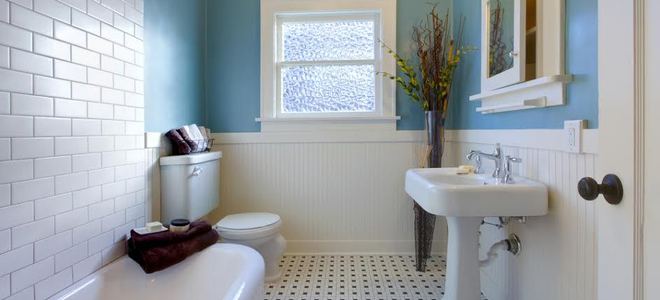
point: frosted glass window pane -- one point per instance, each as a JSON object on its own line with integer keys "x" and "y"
{"x": 329, "y": 40}
{"x": 321, "y": 89}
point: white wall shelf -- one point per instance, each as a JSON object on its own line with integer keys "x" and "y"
{"x": 541, "y": 92}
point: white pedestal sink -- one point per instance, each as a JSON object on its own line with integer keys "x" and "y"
{"x": 465, "y": 200}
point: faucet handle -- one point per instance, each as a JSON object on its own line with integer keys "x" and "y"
{"x": 477, "y": 165}
{"x": 508, "y": 172}
{"x": 498, "y": 149}
{"x": 511, "y": 159}
{"x": 474, "y": 155}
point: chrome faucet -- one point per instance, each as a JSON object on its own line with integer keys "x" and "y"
{"x": 503, "y": 164}
{"x": 495, "y": 157}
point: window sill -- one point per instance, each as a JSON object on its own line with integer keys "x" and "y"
{"x": 328, "y": 123}
{"x": 329, "y": 119}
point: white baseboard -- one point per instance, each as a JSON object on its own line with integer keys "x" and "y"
{"x": 361, "y": 247}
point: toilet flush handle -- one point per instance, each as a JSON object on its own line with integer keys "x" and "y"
{"x": 196, "y": 171}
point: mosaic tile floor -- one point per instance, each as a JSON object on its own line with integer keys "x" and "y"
{"x": 357, "y": 277}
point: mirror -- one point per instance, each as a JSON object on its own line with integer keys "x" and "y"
{"x": 500, "y": 36}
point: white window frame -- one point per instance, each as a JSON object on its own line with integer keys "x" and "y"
{"x": 273, "y": 11}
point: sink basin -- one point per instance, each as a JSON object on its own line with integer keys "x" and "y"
{"x": 465, "y": 200}
{"x": 442, "y": 192}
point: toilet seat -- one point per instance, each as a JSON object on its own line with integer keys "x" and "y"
{"x": 248, "y": 226}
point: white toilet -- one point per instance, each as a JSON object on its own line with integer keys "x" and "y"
{"x": 190, "y": 189}
{"x": 260, "y": 231}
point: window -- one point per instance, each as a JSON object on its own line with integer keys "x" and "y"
{"x": 327, "y": 64}
{"x": 320, "y": 60}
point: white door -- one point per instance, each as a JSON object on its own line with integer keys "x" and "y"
{"x": 628, "y": 87}
{"x": 652, "y": 146}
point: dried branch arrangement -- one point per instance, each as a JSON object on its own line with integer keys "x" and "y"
{"x": 439, "y": 54}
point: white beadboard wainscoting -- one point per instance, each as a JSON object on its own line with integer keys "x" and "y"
{"x": 152, "y": 188}
{"x": 558, "y": 259}
{"x": 157, "y": 145}
{"x": 336, "y": 193}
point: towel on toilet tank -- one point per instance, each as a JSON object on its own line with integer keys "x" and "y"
{"x": 178, "y": 143}
{"x": 197, "y": 137}
{"x": 158, "y": 251}
{"x": 184, "y": 134}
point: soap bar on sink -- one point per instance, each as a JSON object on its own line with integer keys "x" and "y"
{"x": 465, "y": 170}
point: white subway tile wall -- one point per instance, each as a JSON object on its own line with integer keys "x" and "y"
{"x": 71, "y": 139}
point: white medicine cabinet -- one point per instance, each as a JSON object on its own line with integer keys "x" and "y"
{"x": 522, "y": 55}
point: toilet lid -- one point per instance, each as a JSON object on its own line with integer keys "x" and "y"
{"x": 248, "y": 221}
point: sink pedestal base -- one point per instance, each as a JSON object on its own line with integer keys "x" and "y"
{"x": 462, "y": 277}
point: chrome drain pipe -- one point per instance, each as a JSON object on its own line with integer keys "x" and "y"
{"x": 512, "y": 245}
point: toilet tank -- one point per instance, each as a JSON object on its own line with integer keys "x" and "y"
{"x": 190, "y": 185}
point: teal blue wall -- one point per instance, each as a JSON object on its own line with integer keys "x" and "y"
{"x": 233, "y": 63}
{"x": 174, "y": 63}
{"x": 581, "y": 61}
{"x": 229, "y": 102}
{"x": 233, "y": 69}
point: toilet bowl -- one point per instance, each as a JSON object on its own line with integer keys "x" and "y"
{"x": 260, "y": 231}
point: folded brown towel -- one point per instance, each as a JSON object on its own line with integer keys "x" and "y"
{"x": 179, "y": 144}
{"x": 188, "y": 139}
{"x": 158, "y": 251}
{"x": 167, "y": 238}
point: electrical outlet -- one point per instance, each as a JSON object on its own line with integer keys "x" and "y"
{"x": 573, "y": 133}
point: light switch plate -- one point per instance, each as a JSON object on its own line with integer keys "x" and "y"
{"x": 573, "y": 132}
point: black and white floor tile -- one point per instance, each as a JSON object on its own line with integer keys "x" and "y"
{"x": 357, "y": 277}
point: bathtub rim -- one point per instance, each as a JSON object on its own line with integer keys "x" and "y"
{"x": 252, "y": 257}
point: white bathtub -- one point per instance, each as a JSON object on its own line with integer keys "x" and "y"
{"x": 220, "y": 272}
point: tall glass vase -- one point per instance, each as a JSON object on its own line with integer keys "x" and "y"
{"x": 424, "y": 221}
{"x": 435, "y": 131}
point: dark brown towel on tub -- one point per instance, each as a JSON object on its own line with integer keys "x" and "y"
{"x": 158, "y": 251}
{"x": 167, "y": 238}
